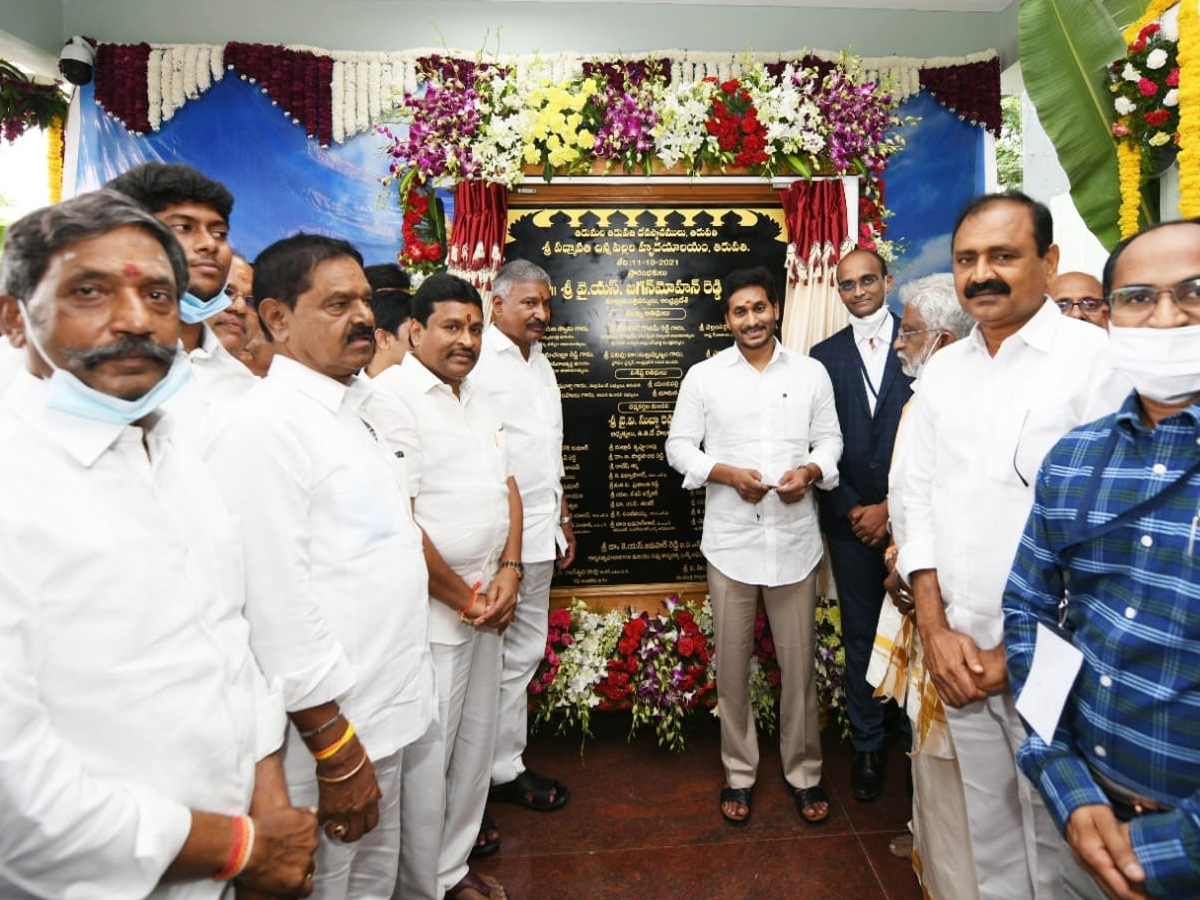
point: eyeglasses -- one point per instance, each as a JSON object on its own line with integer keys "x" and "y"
{"x": 235, "y": 294}
{"x": 903, "y": 336}
{"x": 1137, "y": 302}
{"x": 867, "y": 281}
{"x": 1087, "y": 304}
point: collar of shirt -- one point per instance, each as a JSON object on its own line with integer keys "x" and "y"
{"x": 733, "y": 355}
{"x": 1037, "y": 333}
{"x": 210, "y": 345}
{"x": 328, "y": 392}
{"x": 868, "y": 328}
{"x": 427, "y": 381}
{"x": 1129, "y": 417}
{"x": 84, "y": 439}
{"x": 504, "y": 344}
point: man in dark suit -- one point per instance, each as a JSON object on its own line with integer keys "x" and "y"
{"x": 870, "y": 392}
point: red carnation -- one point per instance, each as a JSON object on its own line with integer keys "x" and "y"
{"x": 1147, "y": 87}
{"x": 686, "y": 647}
{"x": 730, "y": 86}
{"x": 1173, "y": 77}
{"x": 1157, "y": 118}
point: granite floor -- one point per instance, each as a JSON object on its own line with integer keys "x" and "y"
{"x": 643, "y": 824}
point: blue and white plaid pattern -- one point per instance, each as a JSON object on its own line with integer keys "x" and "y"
{"x": 1134, "y": 712}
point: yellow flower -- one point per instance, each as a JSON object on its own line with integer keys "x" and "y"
{"x": 554, "y": 143}
{"x": 586, "y": 139}
{"x": 1189, "y": 110}
{"x": 574, "y": 121}
{"x": 532, "y": 154}
{"x": 1159, "y": 139}
{"x": 1129, "y": 169}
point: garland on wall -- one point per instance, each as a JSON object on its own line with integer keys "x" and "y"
{"x": 338, "y": 94}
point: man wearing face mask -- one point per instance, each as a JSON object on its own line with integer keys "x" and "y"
{"x": 141, "y": 739}
{"x": 1107, "y": 580}
{"x": 938, "y": 844}
{"x": 870, "y": 391}
{"x": 197, "y": 209}
{"x": 988, "y": 409}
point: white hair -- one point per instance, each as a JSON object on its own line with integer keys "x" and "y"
{"x": 936, "y": 300}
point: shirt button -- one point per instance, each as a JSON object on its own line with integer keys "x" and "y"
{"x": 1159, "y": 469}
{"x": 1130, "y": 612}
{"x": 1106, "y": 680}
{"x": 1147, "y": 541}
{"x": 1100, "y": 751}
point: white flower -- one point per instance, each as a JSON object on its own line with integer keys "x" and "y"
{"x": 1170, "y": 29}
{"x": 1171, "y": 98}
{"x": 1156, "y": 59}
{"x": 1129, "y": 73}
{"x": 1124, "y": 106}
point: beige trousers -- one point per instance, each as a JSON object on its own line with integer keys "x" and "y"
{"x": 791, "y": 611}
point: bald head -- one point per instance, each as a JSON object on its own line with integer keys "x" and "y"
{"x": 1079, "y": 296}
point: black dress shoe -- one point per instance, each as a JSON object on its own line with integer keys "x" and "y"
{"x": 866, "y": 776}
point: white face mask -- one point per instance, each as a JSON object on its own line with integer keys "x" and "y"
{"x": 913, "y": 369}
{"x": 1163, "y": 364}
{"x": 70, "y": 395}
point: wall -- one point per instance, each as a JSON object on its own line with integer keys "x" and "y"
{"x": 31, "y": 32}
{"x": 525, "y": 27}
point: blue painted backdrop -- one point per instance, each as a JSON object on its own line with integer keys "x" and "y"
{"x": 285, "y": 182}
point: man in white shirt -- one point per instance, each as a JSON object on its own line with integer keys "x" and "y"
{"x": 989, "y": 408}
{"x": 197, "y": 209}
{"x": 513, "y": 369}
{"x": 466, "y": 501}
{"x": 139, "y": 731}
{"x": 756, "y": 424}
{"x": 336, "y": 581}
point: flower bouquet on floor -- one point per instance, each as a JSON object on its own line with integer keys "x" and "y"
{"x": 831, "y": 668}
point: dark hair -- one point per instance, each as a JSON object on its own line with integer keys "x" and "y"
{"x": 156, "y": 186}
{"x": 33, "y": 239}
{"x": 1110, "y": 266}
{"x": 1043, "y": 222}
{"x": 388, "y": 275}
{"x": 879, "y": 259}
{"x": 282, "y": 271}
{"x": 759, "y": 276}
{"x": 439, "y": 287}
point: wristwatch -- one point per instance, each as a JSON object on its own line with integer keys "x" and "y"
{"x": 513, "y": 564}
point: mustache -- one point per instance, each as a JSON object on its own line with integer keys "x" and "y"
{"x": 360, "y": 331}
{"x": 991, "y": 286}
{"x": 130, "y": 345}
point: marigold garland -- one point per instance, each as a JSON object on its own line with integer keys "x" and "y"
{"x": 1154, "y": 11}
{"x": 54, "y": 158}
{"x": 1129, "y": 168}
{"x": 1189, "y": 110}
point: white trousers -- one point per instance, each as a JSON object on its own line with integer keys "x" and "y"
{"x": 523, "y": 646}
{"x": 447, "y": 772}
{"x": 941, "y": 843}
{"x": 364, "y": 869}
{"x": 1016, "y": 847}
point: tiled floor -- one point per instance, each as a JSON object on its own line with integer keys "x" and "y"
{"x": 643, "y": 824}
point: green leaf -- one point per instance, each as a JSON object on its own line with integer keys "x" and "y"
{"x": 1125, "y": 12}
{"x": 798, "y": 165}
{"x": 1066, "y": 46}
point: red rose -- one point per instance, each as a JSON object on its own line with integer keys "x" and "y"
{"x": 1157, "y": 118}
{"x": 1173, "y": 77}
{"x": 1147, "y": 87}
{"x": 730, "y": 86}
{"x": 434, "y": 252}
{"x": 560, "y": 618}
{"x": 686, "y": 647}
{"x": 1120, "y": 130}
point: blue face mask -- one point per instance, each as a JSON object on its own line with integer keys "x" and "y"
{"x": 70, "y": 395}
{"x": 193, "y": 310}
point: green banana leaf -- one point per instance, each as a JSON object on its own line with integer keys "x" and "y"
{"x": 1066, "y": 46}
{"x": 1125, "y": 12}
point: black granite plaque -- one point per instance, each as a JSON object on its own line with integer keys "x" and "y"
{"x": 637, "y": 301}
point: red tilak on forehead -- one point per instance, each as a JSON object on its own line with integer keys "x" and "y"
{"x": 129, "y": 270}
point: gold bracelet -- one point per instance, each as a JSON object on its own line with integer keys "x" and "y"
{"x": 340, "y": 778}
{"x": 333, "y": 749}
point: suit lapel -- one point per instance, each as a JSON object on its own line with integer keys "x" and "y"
{"x": 854, "y": 364}
{"x": 890, "y": 368}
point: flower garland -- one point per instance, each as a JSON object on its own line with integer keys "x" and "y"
{"x": 54, "y": 158}
{"x": 1153, "y": 12}
{"x": 24, "y": 103}
{"x": 662, "y": 668}
{"x": 1129, "y": 171}
{"x": 1189, "y": 110}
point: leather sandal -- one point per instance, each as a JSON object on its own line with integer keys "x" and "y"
{"x": 735, "y": 795}
{"x": 532, "y": 790}
{"x": 480, "y": 884}
{"x": 806, "y": 797}
{"x": 486, "y": 847}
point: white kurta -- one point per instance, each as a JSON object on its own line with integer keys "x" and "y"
{"x": 128, "y": 692}
{"x": 336, "y": 579}
{"x": 775, "y": 420}
{"x": 218, "y": 382}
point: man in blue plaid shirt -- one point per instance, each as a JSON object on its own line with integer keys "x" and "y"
{"x": 1111, "y": 553}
